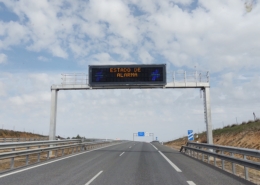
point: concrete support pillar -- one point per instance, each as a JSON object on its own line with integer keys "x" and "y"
{"x": 52, "y": 132}
{"x": 207, "y": 110}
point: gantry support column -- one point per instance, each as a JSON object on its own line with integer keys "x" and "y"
{"x": 207, "y": 113}
{"x": 52, "y": 132}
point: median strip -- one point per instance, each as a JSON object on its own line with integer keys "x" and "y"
{"x": 91, "y": 180}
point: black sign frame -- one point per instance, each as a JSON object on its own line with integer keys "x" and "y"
{"x": 128, "y": 83}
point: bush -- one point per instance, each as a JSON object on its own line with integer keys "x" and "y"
{"x": 228, "y": 126}
{"x": 250, "y": 121}
{"x": 243, "y": 123}
{"x": 233, "y": 125}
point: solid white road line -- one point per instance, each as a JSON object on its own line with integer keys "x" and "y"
{"x": 121, "y": 154}
{"x": 154, "y": 147}
{"x": 191, "y": 183}
{"x": 91, "y": 180}
{"x": 171, "y": 163}
{"x": 18, "y": 171}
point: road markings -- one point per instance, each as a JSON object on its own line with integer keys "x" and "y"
{"x": 171, "y": 163}
{"x": 91, "y": 180}
{"x": 154, "y": 146}
{"x": 191, "y": 183}
{"x": 121, "y": 154}
{"x": 11, "y": 173}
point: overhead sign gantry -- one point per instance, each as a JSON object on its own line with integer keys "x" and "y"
{"x": 132, "y": 77}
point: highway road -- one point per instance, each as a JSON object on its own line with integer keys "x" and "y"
{"x": 128, "y": 163}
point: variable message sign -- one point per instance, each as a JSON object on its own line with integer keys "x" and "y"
{"x": 111, "y": 75}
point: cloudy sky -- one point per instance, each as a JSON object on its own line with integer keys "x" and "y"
{"x": 41, "y": 39}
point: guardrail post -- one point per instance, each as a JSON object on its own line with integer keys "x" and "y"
{"x": 48, "y": 155}
{"x": 62, "y": 153}
{"x": 233, "y": 165}
{"x": 39, "y": 155}
{"x": 4, "y": 140}
{"x": 203, "y": 157}
{"x": 27, "y": 157}
{"x": 56, "y": 152}
{"x": 223, "y": 162}
{"x": 214, "y": 158}
{"x": 12, "y": 160}
{"x": 246, "y": 169}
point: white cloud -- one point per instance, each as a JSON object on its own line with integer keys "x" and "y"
{"x": 218, "y": 34}
{"x": 3, "y": 58}
{"x": 145, "y": 57}
{"x": 42, "y": 58}
{"x": 2, "y": 89}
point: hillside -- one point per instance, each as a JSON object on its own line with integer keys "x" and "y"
{"x": 245, "y": 135}
{"x": 16, "y": 134}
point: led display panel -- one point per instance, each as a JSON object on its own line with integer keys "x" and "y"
{"x": 111, "y": 75}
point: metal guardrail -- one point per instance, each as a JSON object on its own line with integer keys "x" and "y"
{"x": 22, "y": 139}
{"x": 218, "y": 151}
{"x": 20, "y": 149}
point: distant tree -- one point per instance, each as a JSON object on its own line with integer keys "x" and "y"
{"x": 77, "y": 137}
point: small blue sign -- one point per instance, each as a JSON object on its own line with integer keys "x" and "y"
{"x": 141, "y": 134}
{"x": 190, "y": 135}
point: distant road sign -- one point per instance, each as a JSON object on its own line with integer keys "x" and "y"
{"x": 111, "y": 75}
{"x": 140, "y": 134}
{"x": 147, "y": 134}
{"x": 190, "y": 135}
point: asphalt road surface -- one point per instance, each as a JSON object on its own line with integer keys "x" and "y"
{"x": 128, "y": 163}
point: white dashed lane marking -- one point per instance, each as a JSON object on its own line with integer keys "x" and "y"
{"x": 191, "y": 183}
{"x": 91, "y": 180}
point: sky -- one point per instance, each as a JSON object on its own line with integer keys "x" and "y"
{"x": 40, "y": 40}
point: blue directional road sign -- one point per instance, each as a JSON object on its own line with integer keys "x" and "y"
{"x": 141, "y": 134}
{"x": 190, "y": 135}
